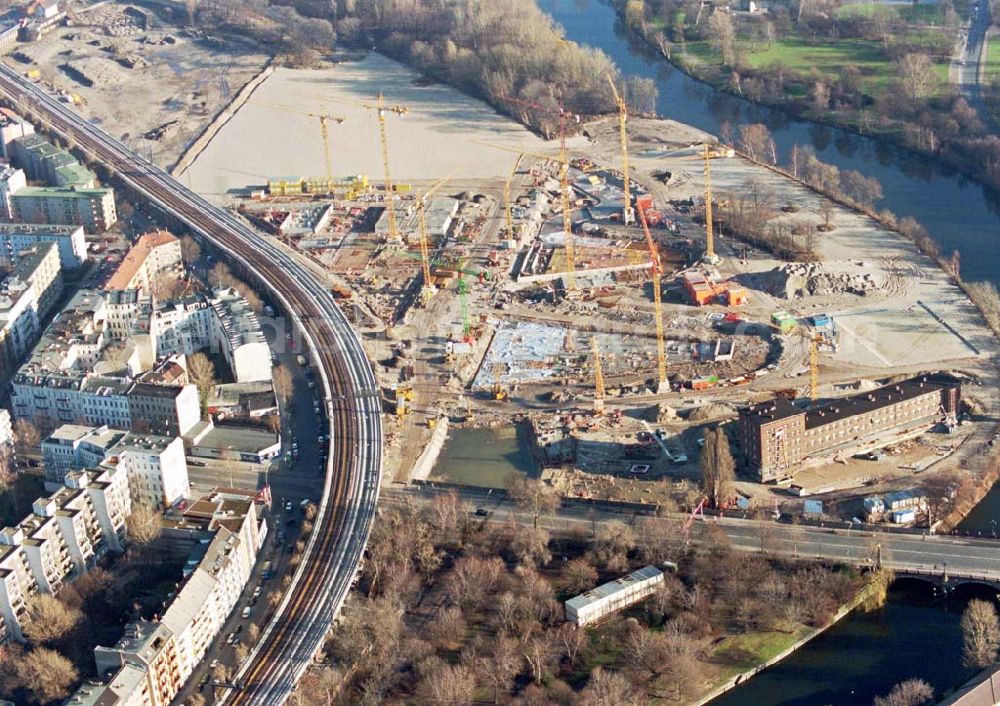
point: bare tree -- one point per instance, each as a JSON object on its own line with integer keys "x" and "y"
{"x": 615, "y": 540}
{"x": 46, "y": 674}
{"x": 450, "y": 685}
{"x": 501, "y": 665}
{"x": 980, "y": 634}
{"x": 607, "y": 688}
{"x": 578, "y": 575}
{"x": 540, "y": 653}
{"x": 572, "y": 641}
{"x": 190, "y": 249}
{"x": 26, "y": 435}
{"x": 718, "y": 471}
{"x": 8, "y": 468}
{"x": 912, "y": 692}
{"x": 722, "y": 34}
{"x": 916, "y": 76}
{"x": 531, "y": 545}
{"x": 284, "y": 387}
{"x": 143, "y": 524}
{"x": 755, "y": 141}
{"x": 166, "y": 286}
{"x": 49, "y": 620}
{"x": 447, "y": 629}
{"x": 533, "y": 495}
{"x": 202, "y": 373}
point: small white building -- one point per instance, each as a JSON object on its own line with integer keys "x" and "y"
{"x": 610, "y": 597}
{"x": 12, "y": 180}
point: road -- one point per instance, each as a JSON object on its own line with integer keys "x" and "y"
{"x": 966, "y": 71}
{"x": 903, "y": 552}
{"x": 353, "y": 458}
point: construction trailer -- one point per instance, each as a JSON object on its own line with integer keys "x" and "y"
{"x": 613, "y": 596}
{"x": 701, "y": 290}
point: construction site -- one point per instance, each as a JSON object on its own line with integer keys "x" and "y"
{"x": 592, "y": 291}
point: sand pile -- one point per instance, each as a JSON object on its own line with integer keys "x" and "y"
{"x": 795, "y": 280}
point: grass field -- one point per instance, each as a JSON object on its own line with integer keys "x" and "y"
{"x": 910, "y": 14}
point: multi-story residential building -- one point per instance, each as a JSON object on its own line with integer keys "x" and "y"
{"x": 72, "y": 447}
{"x": 168, "y": 410}
{"x": 225, "y": 323}
{"x": 94, "y": 209}
{"x": 155, "y": 466}
{"x": 6, "y": 427}
{"x": 17, "y": 586}
{"x": 12, "y": 126}
{"x": 125, "y": 308}
{"x": 778, "y": 436}
{"x": 15, "y": 237}
{"x": 45, "y": 549}
{"x": 11, "y": 181}
{"x": 226, "y": 523}
{"x": 152, "y": 254}
{"x": 43, "y": 161}
{"x": 151, "y": 648}
{"x": 26, "y": 297}
{"x": 109, "y": 492}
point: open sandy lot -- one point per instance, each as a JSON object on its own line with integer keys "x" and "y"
{"x": 149, "y": 78}
{"x": 272, "y": 135}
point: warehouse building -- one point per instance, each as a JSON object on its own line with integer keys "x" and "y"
{"x": 777, "y": 436}
{"x": 610, "y": 597}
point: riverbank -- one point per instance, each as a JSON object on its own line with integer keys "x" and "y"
{"x": 742, "y": 677}
{"x": 970, "y": 164}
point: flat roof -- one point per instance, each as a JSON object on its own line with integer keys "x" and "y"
{"x": 612, "y": 587}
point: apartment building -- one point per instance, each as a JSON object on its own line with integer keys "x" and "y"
{"x": 15, "y": 237}
{"x": 221, "y": 534}
{"x": 12, "y": 126}
{"x": 26, "y": 297}
{"x": 12, "y": 180}
{"x": 223, "y": 322}
{"x": 153, "y": 253}
{"x": 94, "y": 209}
{"x": 155, "y": 466}
{"x": 778, "y": 436}
{"x": 149, "y": 647}
{"x": 169, "y": 410}
{"x": 17, "y": 586}
{"x": 43, "y": 161}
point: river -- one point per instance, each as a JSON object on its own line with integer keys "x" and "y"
{"x": 916, "y": 634}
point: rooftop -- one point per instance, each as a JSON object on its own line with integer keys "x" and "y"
{"x": 59, "y": 192}
{"x": 613, "y": 587}
{"x": 136, "y": 258}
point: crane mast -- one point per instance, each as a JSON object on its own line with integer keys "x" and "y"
{"x": 598, "y": 377}
{"x": 390, "y": 196}
{"x": 710, "y": 255}
{"x": 506, "y": 197}
{"x": 655, "y": 273}
{"x": 628, "y": 215}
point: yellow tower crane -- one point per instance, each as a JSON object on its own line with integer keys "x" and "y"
{"x": 324, "y": 130}
{"x": 381, "y": 109}
{"x": 425, "y": 260}
{"x": 710, "y": 256}
{"x": 506, "y": 196}
{"x": 598, "y": 377}
{"x": 813, "y": 368}
{"x": 655, "y": 273}
{"x": 628, "y": 215}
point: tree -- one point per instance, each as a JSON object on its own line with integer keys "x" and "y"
{"x": 540, "y": 653}
{"x": 8, "y": 468}
{"x": 202, "y": 373}
{"x": 607, "y": 688}
{"x": 190, "y": 249}
{"x": 531, "y": 546}
{"x": 722, "y": 34}
{"x": 980, "y": 634}
{"x": 284, "y": 387}
{"x": 640, "y": 95}
{"x": 143, "y": 524}
{"x": 578, "y": 575}
{"x": 756, "y": 143}
{"x": 615, "y": 540}
{"x": 912, "y": 692}
{"x": 572, "y": 640}
{"x": 718, "y": 471}
{"x": 450, "y": 685}
{"x": 501, "y": 665}
{"x": 447, "y": 628}
{"x": 916, "y": 76}
{"x": 49, "y": 620}
{"x": 166, "y": 286}
{"x": 26, "y": 435}
{"x": 532, "y": 495}
{"x": 46, "y": 674}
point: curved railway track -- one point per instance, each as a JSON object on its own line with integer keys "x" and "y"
{"x": 351, "y": 480}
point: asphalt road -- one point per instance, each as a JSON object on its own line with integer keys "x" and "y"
{"x": 350, "y": 483}
{"x": 979, "y": 558}
{"x": 967, "y": 75}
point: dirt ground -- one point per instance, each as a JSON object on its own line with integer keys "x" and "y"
{"x": 177, "y": 82}
{"x": 441, "y": 134}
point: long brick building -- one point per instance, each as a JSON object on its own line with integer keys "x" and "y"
{"x": 778, "y": 436}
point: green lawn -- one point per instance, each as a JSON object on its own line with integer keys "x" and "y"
{"x": 992, "y": 68}
{"x": 910, "y": 14}
{"x": 742, "y": 652}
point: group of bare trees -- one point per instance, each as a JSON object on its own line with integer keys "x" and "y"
{"x": 452, "y": 608}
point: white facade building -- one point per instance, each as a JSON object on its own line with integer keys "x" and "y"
{"x": 12, "y": 180}
{"x": 610, "y": 597}
{"x": 70, "y": 239}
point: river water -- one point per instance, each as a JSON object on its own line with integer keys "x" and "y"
{"x": 916, "y": 634}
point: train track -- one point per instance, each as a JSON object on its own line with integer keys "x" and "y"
{"x": 351, "y": 482}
